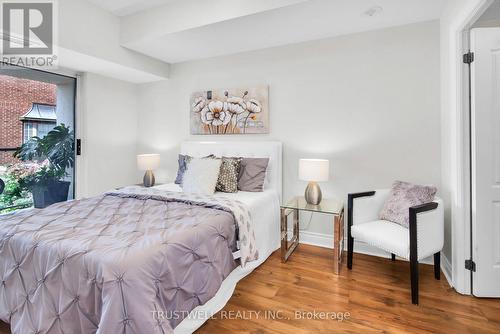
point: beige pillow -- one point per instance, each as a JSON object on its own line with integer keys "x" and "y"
{"x": 183, "y": 161}
{"x": 201, "y": 176}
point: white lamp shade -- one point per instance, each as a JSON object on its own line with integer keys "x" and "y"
{"x": 148, "y": 161}
{"x": 317, "y": 170}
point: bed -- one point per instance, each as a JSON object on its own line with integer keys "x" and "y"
{"x": 137, "y": 260}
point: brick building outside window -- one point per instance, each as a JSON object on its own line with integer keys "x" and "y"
{"x": 27, "y": 109}
{"x": 38, "y": 121}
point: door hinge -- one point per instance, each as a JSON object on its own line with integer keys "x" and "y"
{"x": 78, "y": 147}
{"x": 470, "y": 265}
{"x": 468, "y": 57}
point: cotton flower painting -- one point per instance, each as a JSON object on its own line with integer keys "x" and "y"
{"x": 231, "y": 111}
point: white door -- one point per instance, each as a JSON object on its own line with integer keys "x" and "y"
{"x": 485, "y": 84}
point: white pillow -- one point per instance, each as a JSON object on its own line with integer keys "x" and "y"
{"x": 201, "y": 176}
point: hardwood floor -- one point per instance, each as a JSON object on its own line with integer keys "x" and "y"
{"x": 4, "y": 328}
{"x": 376, "y": 294}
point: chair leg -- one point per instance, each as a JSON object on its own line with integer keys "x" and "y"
{"x": 350, "y": 250}
{"x": 414, "y": 281}
{"x": 437, "y": 265}
{"x": 393, "y": 257}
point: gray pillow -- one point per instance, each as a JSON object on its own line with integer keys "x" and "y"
{"x": 252, "y": 174}
{"x": 404, "y": 195}
{"x": 183, "y": 161}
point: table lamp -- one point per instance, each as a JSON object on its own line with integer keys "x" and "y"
{"x": 148, "y": 162}
{"x": 313, "y": 171}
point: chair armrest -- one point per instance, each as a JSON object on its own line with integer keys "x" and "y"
{"x": 422, "y": 208}
{"x": 362, "y": 194}
{"x": 350, "y": 204}
{"x": 426, "y": 228}
{"x": 366, "y": 206}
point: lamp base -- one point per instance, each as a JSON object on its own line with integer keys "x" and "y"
{"x": 149, "y": 179}
{"x": 313, "y": 193}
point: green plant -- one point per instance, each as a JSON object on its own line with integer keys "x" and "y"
{"x": 14, "y": 194}
{"x": 34, "y": 174}
{"x": 45, "y": 160}
{"x": 44, "y": 163}
{"x": 56, "y": 147}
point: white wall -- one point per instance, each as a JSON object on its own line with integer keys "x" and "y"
{"x": 108, "y": 116}
{"x": 369, "y": 102}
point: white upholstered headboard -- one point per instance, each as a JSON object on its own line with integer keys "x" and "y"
{"x": 253, "y": 149}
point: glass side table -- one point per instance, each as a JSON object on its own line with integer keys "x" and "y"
{"x": 327, "y": 206}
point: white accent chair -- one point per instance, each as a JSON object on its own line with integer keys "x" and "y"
{"x": 423, "y": 238}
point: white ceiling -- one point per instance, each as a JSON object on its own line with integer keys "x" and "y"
{"x": 181, "y": 30}
{"x": 492, "y": 13}
{"x": 128, "y": 7}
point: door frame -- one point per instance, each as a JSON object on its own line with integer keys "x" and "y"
{"x": 80, "y": 172}
{"x": 461, "y": 195}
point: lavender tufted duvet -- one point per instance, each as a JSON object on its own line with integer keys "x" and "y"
{"x": 108, "y": 264}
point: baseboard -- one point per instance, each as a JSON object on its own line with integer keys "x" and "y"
{"x": 326, "y": 241}
{"x": 316, "y": 239}
{"x": 446, "y": 269}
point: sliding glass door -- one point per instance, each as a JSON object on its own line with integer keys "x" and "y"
{"x": 37, "y": 138}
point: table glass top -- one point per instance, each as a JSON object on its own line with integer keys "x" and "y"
{"x": 328, "y": 205}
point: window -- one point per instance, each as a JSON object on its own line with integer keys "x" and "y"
{"x": 39, "y": 120}
{"x": 32, "y": 129}
{"x": 29, "y": 131}
{"x": 37, "y": 102}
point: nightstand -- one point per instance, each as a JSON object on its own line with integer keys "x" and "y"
{"x": 327, "y": 206}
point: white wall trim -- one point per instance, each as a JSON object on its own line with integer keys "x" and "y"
{"x": 81, "y": 167}
{"x": 315, "y": 239}
{"x": 326, "y": 241}
{"x": 455, "y": 90}
{"x": 446, "y": 269}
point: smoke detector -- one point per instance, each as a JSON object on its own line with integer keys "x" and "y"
{"x": 373, "y": 11}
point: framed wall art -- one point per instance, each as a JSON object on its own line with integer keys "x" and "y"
{"x": 230, "y": 111}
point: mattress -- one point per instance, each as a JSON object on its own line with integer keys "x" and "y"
{"x": 264, "y": 209}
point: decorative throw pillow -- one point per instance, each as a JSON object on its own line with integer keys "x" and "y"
{"x": 228, "y": 176}
{"x": 252, "y": 174}
{"x": 201, "y": 176}
{"x": 183, "y": 162}
{"x": 404, "y": 195}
